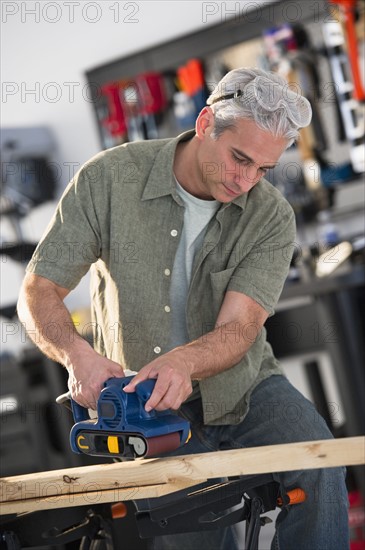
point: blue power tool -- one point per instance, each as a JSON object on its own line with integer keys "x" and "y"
{"x": 123, "y": 428}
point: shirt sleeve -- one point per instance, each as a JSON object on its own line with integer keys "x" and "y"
{"x": 72, "y": 241}
{"x": 262, "y": 272}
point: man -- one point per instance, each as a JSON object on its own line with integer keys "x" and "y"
{"x": 189, "y": 248}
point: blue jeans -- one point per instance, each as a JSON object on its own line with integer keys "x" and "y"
{"x": 278, "y": 414}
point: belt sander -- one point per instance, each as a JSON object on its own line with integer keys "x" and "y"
{"x": 122, "y": 427}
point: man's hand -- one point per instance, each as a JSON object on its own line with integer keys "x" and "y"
{"x": 173, "y": 384}
{"x": 239, "y": 323}
{"x": 40, "y": 305}
{"x": 87, "y": 376}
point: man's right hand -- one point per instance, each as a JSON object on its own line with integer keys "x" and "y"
{"x": 41, "y": 306}
{"x": 87, "y": 375}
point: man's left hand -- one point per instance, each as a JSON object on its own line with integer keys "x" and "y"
{"x": 173, "y": 381}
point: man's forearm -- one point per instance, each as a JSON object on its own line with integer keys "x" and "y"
{"x": 238, "y": 325}
{"x": 48, "y": 323}
{"x": 220, "y": 349}
{"x": 50, "y": 326}
{"x": 207, "y": 356}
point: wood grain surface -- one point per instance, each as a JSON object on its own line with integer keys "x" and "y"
{"x": 148, "y": 478}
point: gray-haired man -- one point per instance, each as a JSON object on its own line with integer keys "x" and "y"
{"x": 210, "y": 244}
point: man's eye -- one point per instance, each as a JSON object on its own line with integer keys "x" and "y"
{"x": 240, "y": 160}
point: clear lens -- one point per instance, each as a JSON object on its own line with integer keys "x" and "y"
{"x": 272, "y": 96}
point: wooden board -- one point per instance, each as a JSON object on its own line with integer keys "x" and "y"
{"x": 149, "y": 478}
{"x": 90, "y": 498}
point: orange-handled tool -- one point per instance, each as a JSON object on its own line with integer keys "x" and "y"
{"x": 295, "y": 496}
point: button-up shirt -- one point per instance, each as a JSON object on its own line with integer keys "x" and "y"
{"x": 121, "y": 216}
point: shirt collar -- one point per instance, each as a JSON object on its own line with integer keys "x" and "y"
{"x": 161, "y": 181}
{"x": 158, "y": 185}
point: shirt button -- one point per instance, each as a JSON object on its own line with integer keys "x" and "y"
{"x": 173, "y": 233}
{"x": 167, "y": 272}
{"x": 157, "y": 349}
{"x": 167, "y": 309}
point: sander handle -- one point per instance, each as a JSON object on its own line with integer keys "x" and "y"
{"x": 79, "y": 412}
{"x": 143, "y": 390}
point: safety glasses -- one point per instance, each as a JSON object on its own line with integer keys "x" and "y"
{"x": 271, "y": 96}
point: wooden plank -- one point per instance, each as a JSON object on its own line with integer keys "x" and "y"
{"x": 91, "y": 498}
{"x": 176, "y": 472}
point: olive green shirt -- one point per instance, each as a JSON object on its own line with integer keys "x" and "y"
{"x": 121, "y": 216}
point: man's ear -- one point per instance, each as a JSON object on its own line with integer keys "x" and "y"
{"x": 204, "y": 123}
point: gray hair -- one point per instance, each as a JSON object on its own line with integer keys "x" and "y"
{"x": 261, "y": 96}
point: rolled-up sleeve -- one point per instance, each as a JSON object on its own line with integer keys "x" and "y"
{"x": 262, "y": 272}
{"x": 72, "y": 241}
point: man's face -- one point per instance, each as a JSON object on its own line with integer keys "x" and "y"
{"x": 232, "y": 164}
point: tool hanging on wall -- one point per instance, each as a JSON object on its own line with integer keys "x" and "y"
{"x": 351, "y": 110}
{"x": 304, "y": 59}
{"x": 114, "y": 122}
{"x": 282, "y": 47}
{"x": 151, "y": 93}
{"x": 191, "y": 98}
{"x": 131, "y": 106}
{"x": 129, "y": 98}
{"x": 347, "y": 14}
{"x": 142, "y": 99}
{"x": 192, "y": 82}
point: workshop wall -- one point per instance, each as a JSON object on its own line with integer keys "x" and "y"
{"x": 44, "y": 85}
{"x": 43, "y": 72}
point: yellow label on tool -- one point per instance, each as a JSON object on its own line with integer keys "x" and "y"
{"x": 80, "y": 445}
{"x": 113, "y": 445}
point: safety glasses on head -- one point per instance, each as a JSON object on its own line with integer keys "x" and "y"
{"x": 271, "y": 96}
